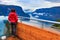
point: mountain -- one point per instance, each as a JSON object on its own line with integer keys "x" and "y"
{"x": 52, "y": 13}
{"x": 5, "y": 9}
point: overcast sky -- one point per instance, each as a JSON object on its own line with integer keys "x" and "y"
{"x": 56, "y": 1}
{"x": 32, "y": 4}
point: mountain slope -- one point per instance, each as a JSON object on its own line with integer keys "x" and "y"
{"x": 52, "y": 13}
{"x": 5, "y": 9}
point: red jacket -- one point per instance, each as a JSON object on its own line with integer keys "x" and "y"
{"x": 13, "y": 17}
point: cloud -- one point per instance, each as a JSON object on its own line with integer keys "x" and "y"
{"x": 56, "y": 1}
{"x": 30, "y": 4}
{"x": 9, "y": 2}
{"x": 33, "y": 4}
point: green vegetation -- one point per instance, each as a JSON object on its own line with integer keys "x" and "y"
{"x": 56, "y": 25}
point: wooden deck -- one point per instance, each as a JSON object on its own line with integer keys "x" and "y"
{"x": 27, "y": 32}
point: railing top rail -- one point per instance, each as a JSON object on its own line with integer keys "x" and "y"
{"x": 41, "y": 20}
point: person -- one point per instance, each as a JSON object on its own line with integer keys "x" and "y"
{"x": 13, "y": 18}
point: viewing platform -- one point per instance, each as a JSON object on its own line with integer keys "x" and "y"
{"x": 28, "y": 32}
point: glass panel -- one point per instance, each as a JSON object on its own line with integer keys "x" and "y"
{"x": 40, "y": 23}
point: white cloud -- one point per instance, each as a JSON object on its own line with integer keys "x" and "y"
{"x": 10, "y": 2}
{"x": 30, "y": 4}
{"x": 49, "y": 4}
{"x": 55, "y": 1}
